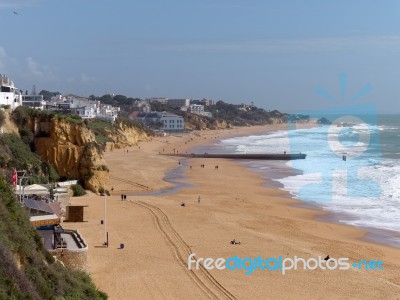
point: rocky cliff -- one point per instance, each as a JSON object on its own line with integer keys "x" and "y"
{"x": 72, "y": 150}
{"x": 196, "y": 122}
{"x": 8, "y": 126}
{"x": 124, "y": 135}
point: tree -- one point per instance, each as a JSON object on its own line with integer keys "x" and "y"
{"x": 47, "y": 95}
{"x": 120, "y": 99}
{"x": 107, "y": 99}
{"x": 157, "y": 106}
{"x": 78, "y": 190}
{"x": 20, "y": 116}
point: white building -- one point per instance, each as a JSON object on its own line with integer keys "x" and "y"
{"x": 196, "y": 109}
{"x": 34, "y": 101}
{"x": 78, "y": 102}
{"x": 85, "y": 107}
{"x": 172, "y": 122}
{"x": 86, "y": 112}
{"x": 57, "y": 98}
{"x": 166, "y": 121}
{"x": 9, "y": 95}
{"x": 207, "y": 102}
{"x": 108, "y": 112}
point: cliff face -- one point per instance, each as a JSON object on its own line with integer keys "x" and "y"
{"x": 195, "y": 122}
{"x": 72, "y": 150}
{"x": 124, "y": 136}
{"x": 9, "y": 126}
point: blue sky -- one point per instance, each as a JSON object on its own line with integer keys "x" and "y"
{"x": 274, "y": 53}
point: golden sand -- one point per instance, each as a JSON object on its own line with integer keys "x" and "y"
{"x": 159, "y": 234}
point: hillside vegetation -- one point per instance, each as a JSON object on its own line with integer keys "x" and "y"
{"x": 27, "y": 270}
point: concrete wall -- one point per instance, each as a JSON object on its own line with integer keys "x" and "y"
{"x": 75, "y": 259}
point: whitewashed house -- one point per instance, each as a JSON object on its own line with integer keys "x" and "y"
{"x": 9, "y": 94}
{"x": 164, "y": 121}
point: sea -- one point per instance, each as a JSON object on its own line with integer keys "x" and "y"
{"x": 352, "y": 169}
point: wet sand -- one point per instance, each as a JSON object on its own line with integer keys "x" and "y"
{"x": 159, "y": 234}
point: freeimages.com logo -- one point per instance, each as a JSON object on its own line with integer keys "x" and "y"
{"x": 249, "y": 265}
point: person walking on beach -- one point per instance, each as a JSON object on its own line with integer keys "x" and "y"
{"x": 198, "y": 200}
{"x": 122, "y": 197}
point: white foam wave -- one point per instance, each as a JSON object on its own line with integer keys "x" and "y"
{"x": 366, "y": 188}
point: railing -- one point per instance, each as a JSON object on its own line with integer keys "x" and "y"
{"x": 77, "y": 237}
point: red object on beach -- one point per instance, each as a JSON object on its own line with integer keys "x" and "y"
{"x": 14, "y": 177}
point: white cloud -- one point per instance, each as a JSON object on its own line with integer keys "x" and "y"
{"x": 6, "y": 62}
{"x": 37, "y": 70}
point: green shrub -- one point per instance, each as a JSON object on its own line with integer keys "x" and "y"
{"x": 26, "y": 135}
{"x": 21, "y": 116}
{"x": 48, "y": 169}
{"x": 74, "y": 119}
{"x": 101, "y": 190}
{"x": 20, "y": 153}
{"x": 78, "y": 190}
{"x": 88, "y": 176}
{"x": 37, "y": 179}
{"x": 103, "y": 168}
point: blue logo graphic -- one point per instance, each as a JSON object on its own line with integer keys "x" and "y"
{"x": 283, "y": 265}
{"x": 338, "y": 153}
{"x": 368, "y": 265}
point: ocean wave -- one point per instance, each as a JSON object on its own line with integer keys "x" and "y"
{"x": 365, "y": 187}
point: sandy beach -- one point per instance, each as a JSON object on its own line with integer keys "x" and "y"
{"x": 159, "y": 234}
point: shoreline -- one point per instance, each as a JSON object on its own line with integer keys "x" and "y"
{"x": 374, "y": 235}
{"x": 243, "y": 208}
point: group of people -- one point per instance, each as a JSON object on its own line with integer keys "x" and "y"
{"x": 123, "y": 197}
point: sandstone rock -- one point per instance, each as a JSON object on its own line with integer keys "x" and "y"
{"x": 72, "y": 150}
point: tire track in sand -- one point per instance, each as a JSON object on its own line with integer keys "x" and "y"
{"x": 202, "y": 278}
{"x": 142, "y": 186}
